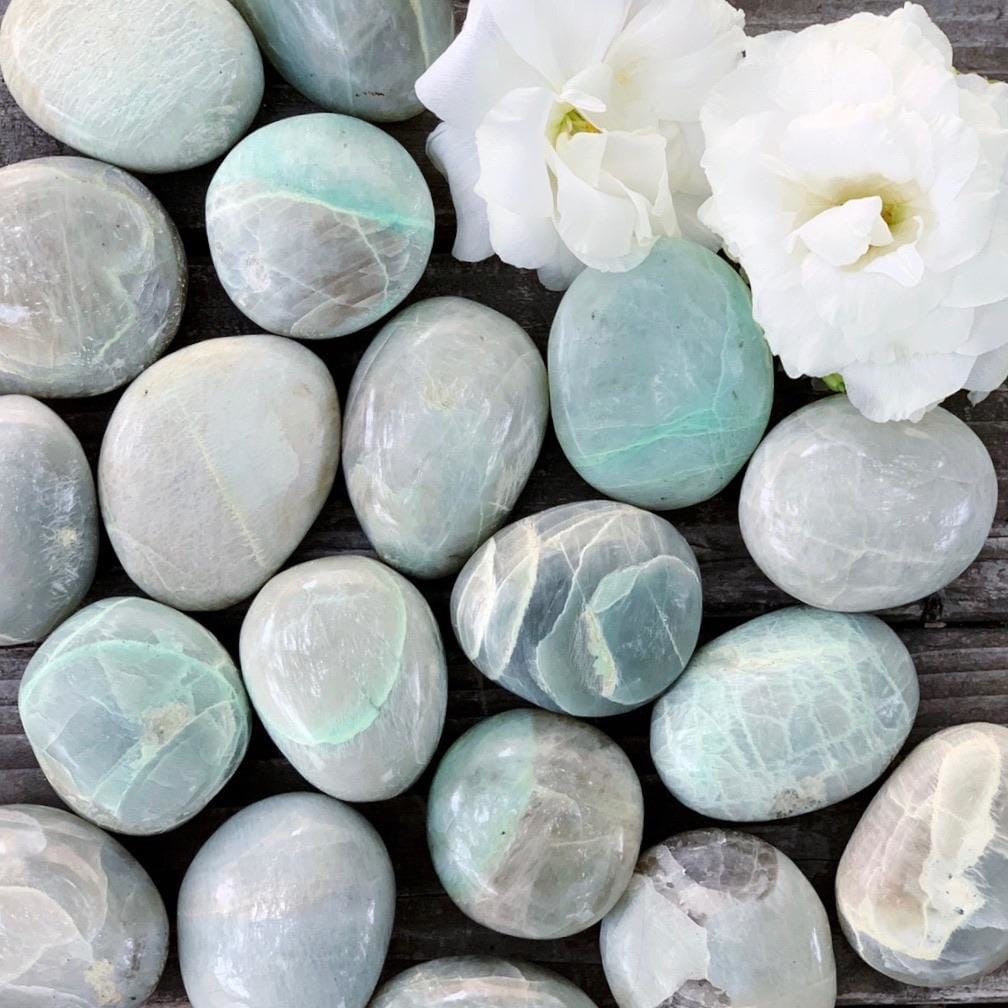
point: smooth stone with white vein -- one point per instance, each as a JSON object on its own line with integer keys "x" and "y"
{"x": 444, "y": 422}
{"x": 344, "y": 663}
{"x": 92, "y": 277}
{"x": 161, "y": 695}
{"x": 215, "y": 464}
{"x": 922, "y": 888}
{"x": 713, "y": 919}
{"x": 851, "y": 515}
{"x": 82, "y": 924}
{"x": 319, "y": 225}
{"x": 290, "y": 903}
{"x": 151, "y": 85}
{"x": 786, "y": 714}
{"x": 588, "y": 609}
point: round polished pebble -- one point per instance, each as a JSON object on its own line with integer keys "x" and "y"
{"x": 319, "y": 225}
{"x": 92, "y": 277}
{"x": 922, "y": 888}
{"x": 215, "y": 464}
{"x": 851, "y": 515}
{"x": 345, "y": 667}
{"x": 479, "y": 982}
{"x": 786, "y": 714}
{"x": 48, "y": 521}
{"x": 151, "y": 85}
{"x": 661, "y": 381}
{"x": 160, "y": 693}
{"x": 444, "y": 422}
{"x": 716, "y": 918}
{"x": 534, "y": 823}
{"x": 361, "y": 57}
{"x": 290, "y": 903}
{"x": 588, "y": 609}
{"x": 82, "y": 924}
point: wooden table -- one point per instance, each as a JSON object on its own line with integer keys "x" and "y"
{"x": 958, "y": 637}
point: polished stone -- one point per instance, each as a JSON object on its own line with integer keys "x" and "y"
{"x": 344, "y": 664}
{"x": 786, "y": 714}
{"x": 215, "y": 464}
{"x": 151, "y": 85}
{"x": 319, "y": 225}
{"x": 48, "y": 521}
{"x": 92, "y": 277}
{"x": 290, "y": 903}
{"x": 161, "y": 695}
{"x": 82, "y": 924}
{"x": 922, "y": 888}
{"x": 444, "y": 422}
{"x": 361, "y": 57}
{"x": 589, "y": 609}
{"x": 717, "y": 918}
{"x": 534, "y": 824}
{"x": 851, "y": 515}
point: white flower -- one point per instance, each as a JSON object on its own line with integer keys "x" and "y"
{"x": 861, "y": 184}
{"x": 571, "y": 132}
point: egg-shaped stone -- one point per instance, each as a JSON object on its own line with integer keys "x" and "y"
{"x": 444, "y": 422}
{"x": 92, "y": 277}
{"x": 82, "y": 924}
{"x": 661, "y": 381}
{"x": 587, "y": 609}
{"x": 344, "y": 664}
{"x": 289, "y": 903}
{"x": 716, "y": 918}
{"x": 922, "y": 888}
{"x": 162, "y": 696}
{"x": 361, "y": 57}
{"x": 851, "y": 515}
{"x": 786, "y": 714}
{"x": 534, "y": 824}
{"x": 150, "y": 85}
{"x": 215, "y": 464}
{"x": 319, "y": 225}
{"x": 48, "y": 521}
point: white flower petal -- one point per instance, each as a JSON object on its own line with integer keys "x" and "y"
{"x": 453, "y": 153}
{"x": 562, "y": 270}
{"x": 906, "y": 389}
{"x": 989, "y": 373}
{"x": 526, "y": 242}
{"x": 843, "y": 234}
{"x": 990, "y": 330}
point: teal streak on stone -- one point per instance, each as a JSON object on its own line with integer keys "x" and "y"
{"x": 661, "y": 381}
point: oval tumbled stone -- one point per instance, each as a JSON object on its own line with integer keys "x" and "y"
{"x": 661, "y": 381}
{"x": 589, "y": 609}
{"x": 215, "y": 464}
{"x": 151, "y": 85}
{"x": 716, "y": 918}
{"x": 534, "y": 824}
{"x": 444, "y": 422}
{"x": 82, "y": 924}
{"x": 847, "y": 514}
{"x": 319, "y": 225}
{"x": 345, "y": 667}
{"x": 162, "y": 695}
{"x": 89, "y": 294}
{"x": 922, "y": 888}
{"x": 293, "y": 899}
{"x": 809, "y": 708}
{"x": 48, "y": 521}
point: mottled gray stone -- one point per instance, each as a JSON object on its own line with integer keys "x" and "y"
{"x": 215, "y": 464}
{"x": 713, "y": 919}
{"x": 82, "y": 924}
{"x": 922, "y": 888}
{"x": 48, "y": 521}
{"x": 847, "y": 514}
{"x": 785, "y": 714}
{"x": 288, "y": 905}
{"x": 534, "y": 823}
{"x": 444, "y": 422}
{"x": 589, "y": 609}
